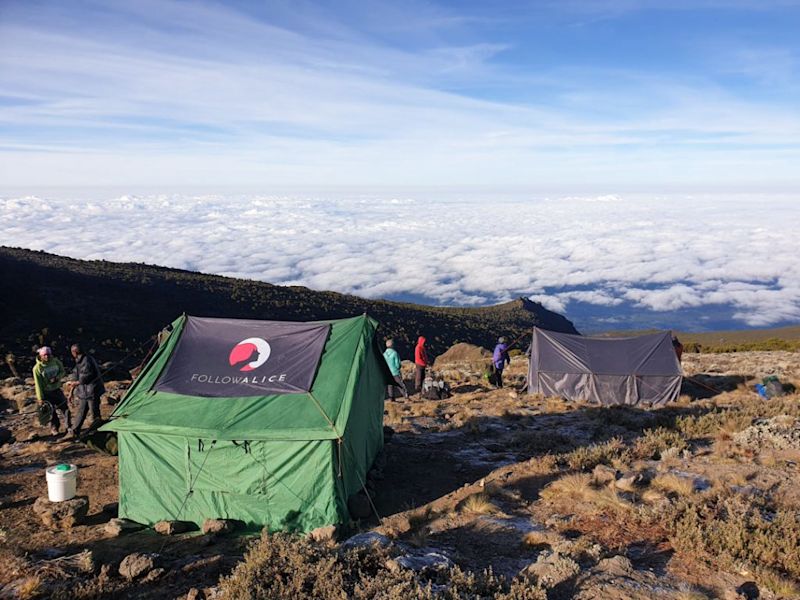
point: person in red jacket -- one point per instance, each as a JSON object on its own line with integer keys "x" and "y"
{"x": 421, "y": 361}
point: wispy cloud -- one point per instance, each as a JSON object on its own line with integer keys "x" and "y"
{"x": 168, "y": 92}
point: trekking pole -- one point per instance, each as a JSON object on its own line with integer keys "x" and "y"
{"x": 514, "y": 343}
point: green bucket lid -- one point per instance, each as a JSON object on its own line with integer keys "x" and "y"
{"x": 63, "y": 468}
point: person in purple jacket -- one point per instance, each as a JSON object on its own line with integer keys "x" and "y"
{"x": 500, "y": 359}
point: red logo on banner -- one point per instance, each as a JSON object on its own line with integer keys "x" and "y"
{"x": 253, "y": 350}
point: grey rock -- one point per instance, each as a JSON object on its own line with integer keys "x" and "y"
{"x": 195, "y": 594}
{"x": 62, "y": 515}
{"x": 781, "y": 432}
{"x": 618, "y": 566}
{"x": 216, "y": 526}
{"x": 153, "y": 575}
{"x": 172, "y": 527}
{"x": 367, "y": 539}
{"x": 118, "y": 527}
{"x": 323, "y": 534}
{"x": 136, "y": 564}
{"x": 552, "y": 568}
{"x": 424, "y": 562}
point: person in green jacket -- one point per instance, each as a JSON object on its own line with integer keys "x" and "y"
{"x": 393, "y": 360}
{"x": 47, "y": 375}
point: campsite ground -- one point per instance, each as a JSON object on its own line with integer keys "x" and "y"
{"x": 694, "y": 500}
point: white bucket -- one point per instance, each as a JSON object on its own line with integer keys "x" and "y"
{"x": 61, "y": 482}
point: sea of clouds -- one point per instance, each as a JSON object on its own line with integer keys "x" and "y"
{"x": 654, "y": 253}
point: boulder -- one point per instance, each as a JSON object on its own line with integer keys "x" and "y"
{"x": 619, "y": 566}
{"x": 552, "y": 569}
{"x": 323, "y": 534}
{"x": 136, "y": 564}
{"x": 118, "y": 527}
{"x": 153, "y": 575}
{"x": 172, "y": 527}
{"x": 367, "y": 539}
{"x": 62, "y": 515}
{"x": 430, "y": 561}
{"x": 195, "y": 594}
{"x": 215, "y": 526}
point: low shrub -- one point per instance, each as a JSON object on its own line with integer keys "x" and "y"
{"x": 586, "y": 458}
{"x": 732, "y": 529}
{"x": 654, "y": 441}
{"x": 286, "y": 566}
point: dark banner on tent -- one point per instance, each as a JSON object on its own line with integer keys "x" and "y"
{"x": 228, "y": 358}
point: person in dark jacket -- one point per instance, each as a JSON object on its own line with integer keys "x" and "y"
{"x": 422, "y": 362}
{"x": 500, "y": 359}
{"x": 88, "y": 388}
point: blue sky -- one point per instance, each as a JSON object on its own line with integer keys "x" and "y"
{"x": 595, "y": 96}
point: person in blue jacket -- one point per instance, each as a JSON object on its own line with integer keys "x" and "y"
{"x": 393, "y": 361}
{"x": 500, "y": 359}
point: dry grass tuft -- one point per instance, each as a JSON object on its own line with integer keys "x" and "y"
{"x": 651, "y": 496}
{"x": 479, "y": 504}
{"x": 30, "y": 587}
{"x": 539, "y": 537}
{"x": 554, "y": 404}
{"x": 578, "y": 487}
{"x": 690, "y": 594}
{"x": 669, "y": 483}
{"x": 779, "y": 585}
{"x": 768, "y": 459}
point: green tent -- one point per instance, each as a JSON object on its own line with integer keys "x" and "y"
{"x": 269, "y": 423}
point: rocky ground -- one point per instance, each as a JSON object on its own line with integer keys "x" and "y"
{"x": 490, "y": 493}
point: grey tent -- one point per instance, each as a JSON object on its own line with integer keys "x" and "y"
{"x": 640, "y": 370}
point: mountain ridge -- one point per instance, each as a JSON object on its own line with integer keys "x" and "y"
{"x": 114, "y": 307}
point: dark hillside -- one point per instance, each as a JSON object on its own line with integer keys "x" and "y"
{"x": 114, "y": 307}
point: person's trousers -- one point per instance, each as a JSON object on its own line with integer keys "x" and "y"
{"x": 498, "y": 377}
{"x": 59, "y": 403}
{"x": 419, "y": 377}
{"x": 84, "y": 404}
{"x": 399, "y": 384}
